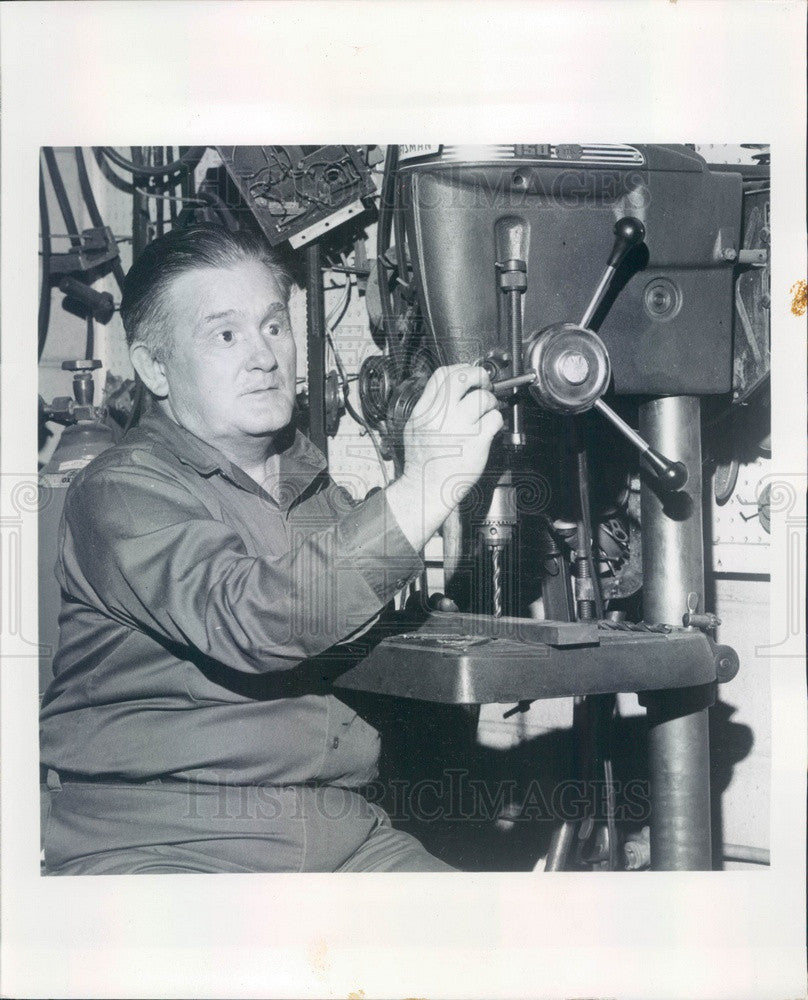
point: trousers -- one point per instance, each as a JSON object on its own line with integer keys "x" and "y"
{"x": 107, "y": 828}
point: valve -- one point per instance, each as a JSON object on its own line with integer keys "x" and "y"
{"x": 83, "y": 383}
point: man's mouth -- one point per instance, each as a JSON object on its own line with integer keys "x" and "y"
{"x": 259, "y": 389}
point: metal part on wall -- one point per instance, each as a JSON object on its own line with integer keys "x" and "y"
{"x": 297, "y": 193}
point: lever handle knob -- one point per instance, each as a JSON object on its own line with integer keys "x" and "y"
{"x": 672, "y": 476}
{"x": 628, "y": 233}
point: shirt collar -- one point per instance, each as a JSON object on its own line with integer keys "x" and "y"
{"x": 300, "y": 461}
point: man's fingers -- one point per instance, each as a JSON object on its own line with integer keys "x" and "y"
{"x": 474, "y": 405}
{"x": 454, "y": 395}
{"x": 433, "y": 398}
{"x": 492, "y": 423}
{"x": 461, "y": 379}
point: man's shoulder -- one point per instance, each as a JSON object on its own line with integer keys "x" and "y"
{"x": 138, "y": 456}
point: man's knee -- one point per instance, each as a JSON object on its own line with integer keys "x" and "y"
{"x": 390, "y": 850}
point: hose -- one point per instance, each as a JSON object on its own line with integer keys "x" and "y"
{"x": 43, "y": 317}
{"x": 86, "y": 189}
{"x": 182, "y": 163}
{"x": 92, "y": 208}
{"x": 61, "y": 196}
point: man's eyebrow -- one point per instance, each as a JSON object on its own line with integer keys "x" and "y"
{"x": 272, "y": 310}
{"x": 219, "y": 315}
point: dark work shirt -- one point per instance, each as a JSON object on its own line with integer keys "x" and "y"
{"x": 193, "y": 603}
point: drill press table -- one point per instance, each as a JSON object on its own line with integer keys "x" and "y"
{"x": 475, "y": 660}
{"x": 461, "y": 659}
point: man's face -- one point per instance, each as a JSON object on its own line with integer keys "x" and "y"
{"x": 231, "y": 374}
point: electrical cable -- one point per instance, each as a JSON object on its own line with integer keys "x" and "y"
{"x": 157, "y": 157}
{"x": 86, "y": 189}
{"x": 109, "y": 174}
{"x": 183, "y": 163}
{"x": 127, "y": 185}
{"x": 61, "y": 195}
{"x": 340, "y": 308}
{"x": 92, "y": 208}
{"x": 199, "y": 201}
{"x": 187, "y": 179}
{"x": 43, "y": 317}
{"x": 172, "y": 206}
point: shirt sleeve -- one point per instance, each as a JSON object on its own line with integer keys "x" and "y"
{"x": 140, "y": 546}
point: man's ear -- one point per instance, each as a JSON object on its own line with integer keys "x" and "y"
{"x": 151, "y": 371}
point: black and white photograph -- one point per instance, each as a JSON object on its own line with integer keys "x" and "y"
{"x": 505, "y": 537}
{"x": 409, "y": 537}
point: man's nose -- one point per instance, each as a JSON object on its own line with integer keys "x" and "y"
{"x": 261, "y": 354}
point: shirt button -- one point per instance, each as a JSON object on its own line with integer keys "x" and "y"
{"x": 335, "y": 742}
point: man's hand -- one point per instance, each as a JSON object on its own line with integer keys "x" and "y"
{"x": 446, "y": 445}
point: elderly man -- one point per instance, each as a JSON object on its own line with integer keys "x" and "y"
{"x": 205, "y": 563}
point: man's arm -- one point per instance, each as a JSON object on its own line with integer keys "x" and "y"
{"x": 143, "y": 549}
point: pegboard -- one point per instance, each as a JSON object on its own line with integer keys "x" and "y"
{"x": 740, "y": 543}
{"x": 352, "y": 459}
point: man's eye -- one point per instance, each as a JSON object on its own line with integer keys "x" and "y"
{"x": 225, "y": 336}
{"x": 274, "y": 329}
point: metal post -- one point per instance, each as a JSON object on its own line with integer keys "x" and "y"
{"x": 673, "y": 567}
{"x": 315, "y": 342}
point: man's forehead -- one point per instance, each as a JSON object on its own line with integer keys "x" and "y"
{"x": 210, "y": 292}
